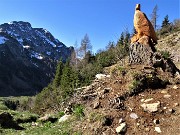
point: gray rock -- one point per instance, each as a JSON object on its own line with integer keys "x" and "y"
{"x": 164, "y": 91}
{"x": 122, "y": 128}
{"x": 102, "y": 76}
{"x": 175, "y": 87}
{"x": 133, "y": 115}
{"x": 157, "y": 129}
{"x": 121, "y": 120}
{"x": 147, "y": 100}
{"x": 96, "y": 104}
{"x": 167, "y": 96}
{"x": 151, "y": 107}
{"x": 64, "y": 118}
{"x": 48, "y": 117}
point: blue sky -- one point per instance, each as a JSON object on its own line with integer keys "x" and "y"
{"x": 70, "y": 20}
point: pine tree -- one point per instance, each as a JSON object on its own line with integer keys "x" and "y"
{"x": 165, "y": 22}
{"x": 58, "y": 74}
{"x": 166, "y": 26}
{"x": 122, "y": 45}
{"x": 121, "y": 39}
{"x": 69, "y": 80}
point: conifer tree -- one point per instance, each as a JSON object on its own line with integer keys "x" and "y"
{"x": 58, "y": 74}
{"x": 165, "y": 22}
{"x": 69, "y": 80}
{"x": 121, "y": 39}
{"x": 166, "y": 26}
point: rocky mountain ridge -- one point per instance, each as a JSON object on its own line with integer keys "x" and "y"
{"x": 28, "y": 58}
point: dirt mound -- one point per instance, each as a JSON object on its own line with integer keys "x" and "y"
{"x": 118, "y": 99}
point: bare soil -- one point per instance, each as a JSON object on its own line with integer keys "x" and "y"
{"x": 112, "y": 107}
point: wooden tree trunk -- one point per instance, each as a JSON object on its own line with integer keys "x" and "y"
{"x": 140, "y": 54}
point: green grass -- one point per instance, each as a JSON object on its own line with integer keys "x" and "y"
{"x": 48, "y": 128}
{"x": 165, "y": 54}
{"x": 78, "y": 111}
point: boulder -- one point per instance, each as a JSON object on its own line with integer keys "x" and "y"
{"x": 102, "y": 76}
{"x": 151, "y": 107}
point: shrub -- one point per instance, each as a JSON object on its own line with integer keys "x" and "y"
{"x": 165, "y": 54}
{"x": 78, "y": 111}
{"x": 11, "y": 104}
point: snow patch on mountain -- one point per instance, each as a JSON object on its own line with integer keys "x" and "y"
{"x": 20, "y": 40}
{"x": 36, "y": 55}
{"x": 2, "y": 40}
{"x": 26, "y": 46}
{"x": 45, "y": 38}
{"x": 48, "y": 53}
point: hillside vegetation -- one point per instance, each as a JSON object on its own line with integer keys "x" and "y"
{"x": 124, "y": 98}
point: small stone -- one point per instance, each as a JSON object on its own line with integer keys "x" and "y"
{"x": 175, "y": 87}
{"x": 156, "y": 121}
{"x": 164, "y": 91}
{"x": 133, "y": 115}
{"x": 122, "y": 128}
{"x": 164, "y": 107}
{"x": 138, "y": 124}
{"x": 167, "y": 96}
{"x": 102, "y": 76}
{"x": 147, "y": 129}
{"x": 106, "y": 90}
{"x": 45, "y": 117}
{"x": 157, "y": 129}
{"x": 64, "y": 118}
{"x": 176, "y": 104}
{"x": 34, "y": 124}
{"x": 170, "y": 111}
{"x": 121, "y": 120}
{"x": 151, "y": 107}
{"x": 147, "y": 100}
{"x": 96, "y": 104}
{"x": 142, "y": 100}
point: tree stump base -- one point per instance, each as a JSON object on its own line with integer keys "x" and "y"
{"x": 140, "y": 54}
{"x": 144, "y": 54}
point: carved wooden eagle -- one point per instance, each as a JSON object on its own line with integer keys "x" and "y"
{"x": 143, "y": 27}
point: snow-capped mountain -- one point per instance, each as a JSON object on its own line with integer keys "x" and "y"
{"x": 28, "y": 58}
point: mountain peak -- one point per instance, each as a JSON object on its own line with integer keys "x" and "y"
{"x": 30, "y": 55}
{"x": 20, "y": 23}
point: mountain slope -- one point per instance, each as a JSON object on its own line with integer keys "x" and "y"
{"x": 28, "y": 58}
{"x": 171, "y": 43}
